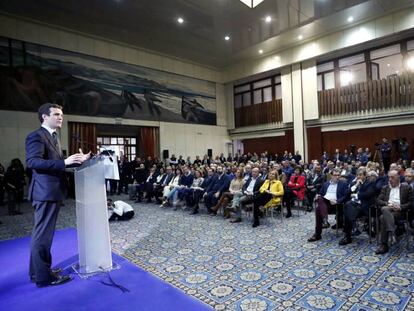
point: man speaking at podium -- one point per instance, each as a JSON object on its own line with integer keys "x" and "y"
{"x": 47, "y": 190}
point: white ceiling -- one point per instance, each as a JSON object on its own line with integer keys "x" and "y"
{"x": 151, "y": 24}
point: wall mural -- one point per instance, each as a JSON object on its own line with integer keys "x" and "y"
{"x": 31, "y": 74}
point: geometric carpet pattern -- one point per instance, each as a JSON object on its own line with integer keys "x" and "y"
{"x": 272, "y": 267}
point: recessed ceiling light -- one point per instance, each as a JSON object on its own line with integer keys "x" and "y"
{"x": 180, "y": 20}
{"x": 300, "y": 37}
{"x": 350, "y": 19}
{"x": 227, "y": 38}
{"x": 388, "y": 65}
{"x": 260, "y": 51}
{"x": 268, "y": 19}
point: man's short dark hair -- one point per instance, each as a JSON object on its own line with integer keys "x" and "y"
{"x": 45, "y": 109}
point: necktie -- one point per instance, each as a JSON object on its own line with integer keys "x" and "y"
{"x": 55, "y": 139}
{"x": 56, "y": 142}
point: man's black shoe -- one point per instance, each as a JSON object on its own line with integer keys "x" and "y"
{"x": 345, "y": 241}
{"x": 255, "y": 224}
{"x": 314, "y": 238}
{"x": 288, "y": 215}
{"x": 382, "y": 249}
{"x": 193, "y": 212}
{"x": 55, "y": 281}
{"x": 236, "y": 220}
{"x": 326, "y": 225}
{"x": 53, "y": 272}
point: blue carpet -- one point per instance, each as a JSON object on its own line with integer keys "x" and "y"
{"x": 146, "y": 292}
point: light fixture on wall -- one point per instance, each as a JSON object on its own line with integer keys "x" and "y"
{"x": 252, "y": 3}
{"x": 268, "y": 19}
{"x": 180, "y": 20}
{"x": 227, "y": 38}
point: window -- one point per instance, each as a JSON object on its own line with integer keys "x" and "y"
{"x": 260, "y": 90}
{"x": 120, "y": 145}
{"x": 352, "y": 69}
{"x": 326, "y": 76}
{"x": 257, "y": 95}
{"x": 386, "y": 62}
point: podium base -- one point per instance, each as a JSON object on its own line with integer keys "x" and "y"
{"x": 84, "y": 274}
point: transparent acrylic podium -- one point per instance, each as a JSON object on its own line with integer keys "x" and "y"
{"x": 94, "y": 244}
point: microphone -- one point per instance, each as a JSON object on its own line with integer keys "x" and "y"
{"x": 107, "y": 152}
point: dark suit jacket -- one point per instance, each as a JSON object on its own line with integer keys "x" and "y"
{"x": 256, "y": 187}
{"x": 317, "y": 183}
{"x": 366, "y": 194}
{"x": 219, "y": 184}
{"x": 406, "y": 196}
{"x": 49, "y": 181}
{"x": 342, "y": 192}
{"x": 166, "y": 180}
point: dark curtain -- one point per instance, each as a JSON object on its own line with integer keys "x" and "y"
{"x": 82, "y": 135}
{"x": 149, "y": 141}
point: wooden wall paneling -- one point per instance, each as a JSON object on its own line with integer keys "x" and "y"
{"x": 366, "y": 138}
{"x": 314, "y": 138}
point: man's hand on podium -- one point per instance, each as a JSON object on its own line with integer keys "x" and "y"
{"x": 77, "y": 158}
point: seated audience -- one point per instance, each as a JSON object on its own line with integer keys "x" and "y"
{"x": 198, "y": 192}
{"x": 270, "y": 195}
{"x": 170, "y": 189}
{"x": 217, "y": 187}
{"x": 394, "y": 201}
{"x": 332, "y": 194}
{"x": 313, "y": 185}
{"x": 362, "y": 199}
{"x": 249, "y": 192}
{"x": 295, "y": 190}
{"x": 236, "y": 185}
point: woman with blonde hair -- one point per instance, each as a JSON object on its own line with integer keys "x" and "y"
{"x": 271, "y": 193}
{"x": 236, "y": 185}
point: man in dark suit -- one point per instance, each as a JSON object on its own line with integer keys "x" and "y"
{"x": 218, "y": 185}
{"x": 159, "y": 187}
{"x": 313, "y": 185}
{"x": 47, "y": 190}
{"x": 394, "y": 201}
{"x": 362, "y": 199}
{"x": 332, "y": 193}
{"x": 249, "y": 192}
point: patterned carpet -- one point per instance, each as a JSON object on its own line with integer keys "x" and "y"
{"x": 236, "y": 267}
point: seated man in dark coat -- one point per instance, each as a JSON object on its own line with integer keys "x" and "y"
{"x": 332, "y": 194}
{"x": 219, "y": 184}
{"x": 362, "y": 199}
{"x": 394, "y": 201}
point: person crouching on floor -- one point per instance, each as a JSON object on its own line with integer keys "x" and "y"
{"x": 119, "y": 210}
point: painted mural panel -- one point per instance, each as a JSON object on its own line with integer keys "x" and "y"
{"x": 31, "y": 75}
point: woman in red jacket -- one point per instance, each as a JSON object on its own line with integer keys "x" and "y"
{"x": 296, "y": 189}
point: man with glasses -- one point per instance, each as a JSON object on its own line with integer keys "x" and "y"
{"x": 332, "y": 193}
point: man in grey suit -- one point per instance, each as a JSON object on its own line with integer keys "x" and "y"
{"x": 394, "y": 201}
{"x": 47, "y": 190}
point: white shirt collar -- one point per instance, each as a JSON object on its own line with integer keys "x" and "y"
{"x": 51, "y": 131}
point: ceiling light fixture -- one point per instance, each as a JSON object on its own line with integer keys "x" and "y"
{"x": 350, "y": 19}
{"x": 252, "y": 3}
{"x": 227, "y": 38}
{"x": 180, "y": 20}
{"x": 260, "y": 51}
{"x": 268, "y": 19}
{"x": 300, "y": 37}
